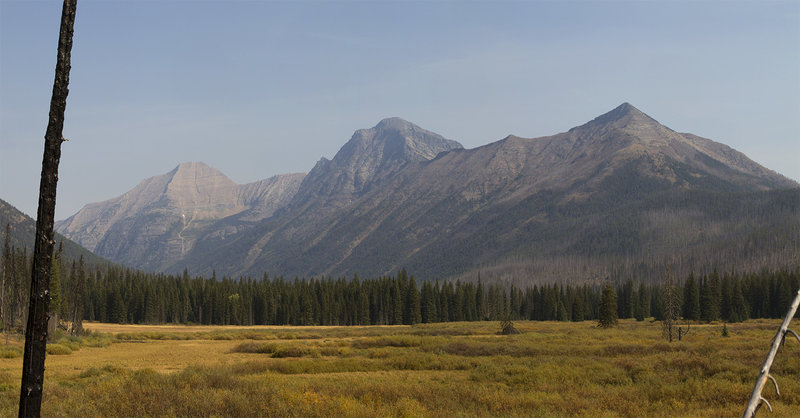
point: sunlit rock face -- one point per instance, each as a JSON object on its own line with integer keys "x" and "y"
{"x": 157, "y": 222}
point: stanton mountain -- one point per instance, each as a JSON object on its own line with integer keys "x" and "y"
{"x": 618, "y": 196}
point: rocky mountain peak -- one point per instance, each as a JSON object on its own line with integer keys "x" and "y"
{"x": 192, "y": 182}
{"x": 159, "y": 220}
{"x": 396, "y": 124}
{"x": 622, "y": 116}
{"x": 395, "y": 139}
{"x": 198, "y": 172}
{"x": 369, "y": 155}
{"x": 627, "y": 125}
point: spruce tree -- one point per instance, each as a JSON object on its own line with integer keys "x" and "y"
{"x": 397, "y": 304}
{"x": 428, "y": 306}
{"x": 480, "y": 301}
{"x": 577, "y": 309}
{"x": 726, "y": 298}
{"x": 740, "y": 311}
{"x": 691, "y": 299}
{"x": 413, "y": 313}
{"x": 608, "y": 308}
{"x": 627, "y": 303}
{"x": 642, "y": 310}
{"x": 710, "y": 299}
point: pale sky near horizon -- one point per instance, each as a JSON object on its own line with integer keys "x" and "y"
{"x": 258, "y": 88}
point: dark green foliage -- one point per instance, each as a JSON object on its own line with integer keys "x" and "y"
{"x": 412, "y": 312}
{"x": 23, "y": 228}
{"x": 691, "y": 299}
{"x": 710, "y": 298}
{"x": 577, "y": 309}
{"x": 428, "y": 307}
{"x": 116, "y": 294}
{"x": 627, "y": 300}
{"x": 740, "y": 309}
{"x": 608, "y": 308}
{"x": 642, "y": 309}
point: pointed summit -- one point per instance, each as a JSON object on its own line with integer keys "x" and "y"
{"x": 369, "y": 155}
{"x": 624, "y": 119}
{"x": 188, "y": 166}
{"x": 392, "y": 141}
{"x": 194, "y": 169}
{"x": 395, "y": 123}
{"x": 194, "y": 182}
{"x": 623, "y": 114}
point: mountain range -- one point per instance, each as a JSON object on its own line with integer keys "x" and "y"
{"x": 619, "y": 195}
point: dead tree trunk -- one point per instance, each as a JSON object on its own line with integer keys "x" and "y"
{"x": 756, "y": 399}
{"x": 6, "y": 264}
{"x": 30, "y": 400}
{"x": 671, "y": 307}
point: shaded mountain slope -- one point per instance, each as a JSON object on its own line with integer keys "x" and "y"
{"x": 23, "y": 230}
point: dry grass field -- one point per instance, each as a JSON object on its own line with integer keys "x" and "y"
{"x": 452, "y": 369}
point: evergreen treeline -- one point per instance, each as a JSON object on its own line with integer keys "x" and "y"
{"x": 122, "y": 295}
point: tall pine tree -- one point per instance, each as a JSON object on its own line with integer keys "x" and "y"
{"x": 608, "y": 308}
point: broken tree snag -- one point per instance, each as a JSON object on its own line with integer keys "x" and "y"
{"x": 30, "y": 400}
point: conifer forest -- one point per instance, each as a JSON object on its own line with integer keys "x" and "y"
{"x": 110, "y": 293}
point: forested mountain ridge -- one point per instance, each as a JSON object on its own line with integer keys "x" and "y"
{"x": 23, "y": 229}
{"x": 617, "y": 196}
{"x": 157, "y": 222}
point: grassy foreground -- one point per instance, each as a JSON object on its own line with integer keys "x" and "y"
{"x": 452, "y": 369}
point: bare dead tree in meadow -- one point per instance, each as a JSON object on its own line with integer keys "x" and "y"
{"x": 756, "y": 398}
{"x": 6, "y": 266}
{"x": 672, "y": 307}
{"x": 30, "y": 400}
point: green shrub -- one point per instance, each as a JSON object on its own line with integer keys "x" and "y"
{"x": 254, "y": 347}
{"x": 388, "y": 341}
{"x": 58, "y": 349}
{"x": 10, "y": 352}
{"x": 73, "y": 343}
{"x": 108, "y": 369}
{"x": 98, "y": 340}
{"x": 294, "y": 351}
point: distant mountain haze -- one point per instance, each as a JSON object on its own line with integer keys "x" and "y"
{"x": 619, "y": 194}
{"x": 157, "y": 222}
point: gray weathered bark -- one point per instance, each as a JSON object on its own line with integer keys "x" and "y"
{"x": 756, "y": 398}
{"x": 30, "y": 400}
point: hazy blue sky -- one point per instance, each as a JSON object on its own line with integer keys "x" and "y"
{"x": 259, "y": 88}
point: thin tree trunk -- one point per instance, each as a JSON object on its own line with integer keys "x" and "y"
{"x": 755, "y": 397}
{"x": 6, "y": 264}
{"x": 30, "y": 400}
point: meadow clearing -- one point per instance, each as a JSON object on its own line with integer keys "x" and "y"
{"x": 446, "y": 369}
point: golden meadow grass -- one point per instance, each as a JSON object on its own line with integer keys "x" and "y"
{"x": 451, "y": 369}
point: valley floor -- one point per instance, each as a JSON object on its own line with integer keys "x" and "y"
{"x": 450, "y": 369}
